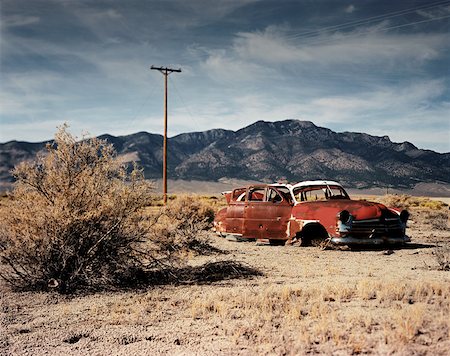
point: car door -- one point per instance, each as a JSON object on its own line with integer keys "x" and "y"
{"x": 235, "y": 212}
{"x": 266, "y": 214}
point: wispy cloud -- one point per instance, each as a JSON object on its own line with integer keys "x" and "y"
{"x": 19, "y": 20}
{"x": 349, "y": 9}
{"x": 434, "y": 13}
{"x": 272, "y": 46}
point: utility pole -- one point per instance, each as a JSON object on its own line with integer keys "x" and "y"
{"x": 165, "y": 71}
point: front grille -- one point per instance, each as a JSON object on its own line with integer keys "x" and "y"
{"x": 391, "y": 227}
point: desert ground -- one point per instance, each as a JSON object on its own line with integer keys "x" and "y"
{"x": 266, "y": 300}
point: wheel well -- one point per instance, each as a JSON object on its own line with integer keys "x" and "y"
{"x": 313, "y": 231}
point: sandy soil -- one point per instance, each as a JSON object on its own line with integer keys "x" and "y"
{"x": 307, "y": 301}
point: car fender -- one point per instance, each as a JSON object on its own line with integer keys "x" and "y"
{"x": 295, "y": 226}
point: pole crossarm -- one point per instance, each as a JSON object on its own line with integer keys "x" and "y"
{"x": 165, "y": 71}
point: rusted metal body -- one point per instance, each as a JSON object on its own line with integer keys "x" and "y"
{"x": 307, "y": 211}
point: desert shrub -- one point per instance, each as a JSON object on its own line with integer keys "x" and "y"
{"x": 216, "y": 202}
{"x": 182, "y": 228}
{"x": 407, "y": 201}
{"x": 74, "y": 217}
{"x": 442, "y": 255}
{"x": 439, "y": 220}
{"x": 157, "y": 199}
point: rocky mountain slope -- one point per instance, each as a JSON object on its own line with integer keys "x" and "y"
{"x": 269, "y": 151}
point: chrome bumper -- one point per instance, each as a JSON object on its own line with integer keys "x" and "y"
{"x": 379, "y": 240}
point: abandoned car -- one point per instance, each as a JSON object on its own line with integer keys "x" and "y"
{"x": 308, "y": 212}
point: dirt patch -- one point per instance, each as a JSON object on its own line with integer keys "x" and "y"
{"x": 256, "y": 300}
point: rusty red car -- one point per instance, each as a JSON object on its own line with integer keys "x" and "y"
{"x": 308, "y": 212}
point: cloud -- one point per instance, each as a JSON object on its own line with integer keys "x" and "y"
{"x": 268, "y": 47}
{"x": 220, "y": 9}
{"x": 358, "y": 47}
{"x": 434, "y": 12}
{"x": 349, "y": 9}
{"x": 19, "y": 20}
{"x": 397, "y": 101}
{"x": 397, "y": 111}
{"x": 224, "y": 69}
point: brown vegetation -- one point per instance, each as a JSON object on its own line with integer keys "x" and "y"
{"x": 74, "y": 217}
{"x": 404, "y": 201}
{"x": 78, "y": 218}
{"x": 182, "y": 227}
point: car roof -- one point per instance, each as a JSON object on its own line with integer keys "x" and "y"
{"x": 307, "y": 183}
{"x": 310, "y": 183}
{"x": 280, "y": 185}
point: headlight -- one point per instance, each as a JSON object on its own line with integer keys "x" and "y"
{"x": 344, "y": 223}
{"x": 344, "y": 216}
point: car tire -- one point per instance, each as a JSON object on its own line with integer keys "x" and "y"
{"x": 313, "y": 235}
{"x": 276, "y": 242}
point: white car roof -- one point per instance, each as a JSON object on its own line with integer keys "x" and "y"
{"x": 280, "y": 185}
{"x": 309, "y": 183}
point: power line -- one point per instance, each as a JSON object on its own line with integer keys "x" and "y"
{"x": 184, "y": 104}
{"x": 356, "y": 34}
{"x": 138, "y": 111}
{"x": 367, "y": 20}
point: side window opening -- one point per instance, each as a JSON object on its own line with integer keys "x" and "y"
{"x": 256, "y": 194}
{"x": 285, "y": 193}
{"x": 273, "y": 196}
{"x": 239, "y": 194}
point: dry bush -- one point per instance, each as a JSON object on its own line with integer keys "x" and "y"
{"x": 442, "y": 255}
{"x": 439, "y": 220}
{"x": 214, "y": 201}
{"x": 74, "y": 217}
{"x": 407, "y": 201}
{"x": 157, "y": 199}
{"x": 182, "y": 228}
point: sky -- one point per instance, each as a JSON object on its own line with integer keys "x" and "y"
{"x": 374, "y": 66}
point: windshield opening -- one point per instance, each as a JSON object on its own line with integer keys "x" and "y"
{"x": 320, "y": 192}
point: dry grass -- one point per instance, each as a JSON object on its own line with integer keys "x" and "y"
{"x": 306, "y": 301}
{"x": 365, "y": 316}
{"x": 407, "y": 202}
{"x": 319, "y": 317}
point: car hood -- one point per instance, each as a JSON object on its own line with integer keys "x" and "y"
{"x": 360, "y": 209}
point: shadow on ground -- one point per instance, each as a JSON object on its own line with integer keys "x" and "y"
{"x": 407, "y": 246}
{"x": 189, "y": 275}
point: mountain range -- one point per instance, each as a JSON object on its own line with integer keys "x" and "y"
{"x": 289, "y": 150}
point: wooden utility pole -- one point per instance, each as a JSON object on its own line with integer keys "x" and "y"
{"x": 165, "y": 71}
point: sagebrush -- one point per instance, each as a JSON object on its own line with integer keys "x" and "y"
{"x": 442, "y": 255}
{"x": 182, "y": 227}
{"x": 74, "y": 217}
{"x": 404, "y": 201}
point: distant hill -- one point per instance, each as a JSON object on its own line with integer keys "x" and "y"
{"x": 269, "y": 151}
